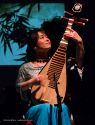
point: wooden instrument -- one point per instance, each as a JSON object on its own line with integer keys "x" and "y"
{"x": 55, "y": 71}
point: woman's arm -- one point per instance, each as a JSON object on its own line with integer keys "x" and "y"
{"x": 80, "y": 54}
{"x": 26, "y": 84}
{"x": 79, "y": 49}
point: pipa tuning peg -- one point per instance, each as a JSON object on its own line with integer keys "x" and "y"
{"x": 84, "y": 19}
{"x": 68, "y": 13}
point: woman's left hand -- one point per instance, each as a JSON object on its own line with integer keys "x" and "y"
{"x": 70, "y": 33}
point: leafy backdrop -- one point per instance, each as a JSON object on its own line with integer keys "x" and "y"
{"x": 16, "y": 19}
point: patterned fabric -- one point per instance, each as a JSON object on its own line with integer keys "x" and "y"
{"x": 26, "y": 72}
{"x": 41, "y": 114}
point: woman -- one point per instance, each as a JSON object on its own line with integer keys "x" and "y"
{"x": 38, "y": 55}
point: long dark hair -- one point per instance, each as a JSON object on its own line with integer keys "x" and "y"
{"x": 54, "y": 30}
{"x": 32, "y": 42}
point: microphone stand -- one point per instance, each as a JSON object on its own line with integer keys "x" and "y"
{"x": 58, "y": 102}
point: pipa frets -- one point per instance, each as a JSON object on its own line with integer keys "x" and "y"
{"x": 55, "y": 70}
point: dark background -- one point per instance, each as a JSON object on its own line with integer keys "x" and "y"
{"x": 87, "y": 90}
{"x": 8, "y": 74}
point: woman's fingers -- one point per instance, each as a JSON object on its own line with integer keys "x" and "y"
{"x": 70, "y": 33}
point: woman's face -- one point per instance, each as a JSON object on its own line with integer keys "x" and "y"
{"x": 43, "y": 41}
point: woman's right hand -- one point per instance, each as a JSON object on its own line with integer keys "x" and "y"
{"x": 41, "y": 79}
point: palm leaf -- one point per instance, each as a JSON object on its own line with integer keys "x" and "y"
{"x": 15, "y": 29}
{"x": 22, "y": 54}
{"x": 9, "y": 45}
{"x": 5, "y": 46}
{"x": 3, "y": 15}
{"x": 21, "y": 59}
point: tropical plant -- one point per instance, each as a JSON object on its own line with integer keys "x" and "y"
{"x": 14, "y": 27}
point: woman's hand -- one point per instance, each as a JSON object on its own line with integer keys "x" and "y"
{"x": 42, "y": 79}
{"x": 70, "y": 33}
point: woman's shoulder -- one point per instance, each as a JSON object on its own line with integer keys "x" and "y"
{"x": 26, "y": 65}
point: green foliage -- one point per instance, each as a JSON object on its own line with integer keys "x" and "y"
{"x": 14, "y": 27}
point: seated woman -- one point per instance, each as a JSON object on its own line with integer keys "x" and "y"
{"x": 38, "y": 55}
